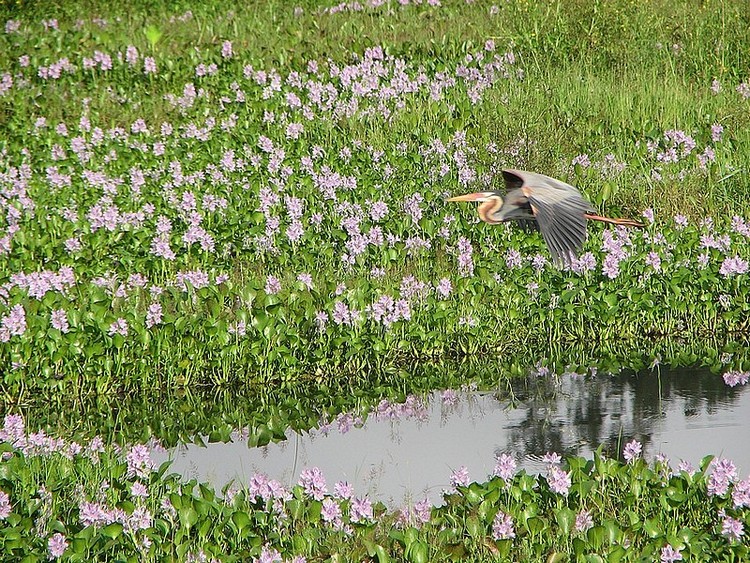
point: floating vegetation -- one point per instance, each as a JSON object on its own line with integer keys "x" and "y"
{"x": 86, "y": 501}
{"x": 233, "y": 216}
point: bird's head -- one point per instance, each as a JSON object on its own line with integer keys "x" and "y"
{"x": 489, "y": 204}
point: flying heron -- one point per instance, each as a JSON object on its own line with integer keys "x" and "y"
{"x": 557, "y": 209}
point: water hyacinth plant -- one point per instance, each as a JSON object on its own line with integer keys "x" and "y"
{"x": 228, "y": 209}
{"x": 77, "y": 502}
{"x": 235, "y": 212}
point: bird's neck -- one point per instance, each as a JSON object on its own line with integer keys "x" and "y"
{"x": 487, "y": 210}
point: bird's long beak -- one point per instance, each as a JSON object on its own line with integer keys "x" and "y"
{"x": 476, "y": 196}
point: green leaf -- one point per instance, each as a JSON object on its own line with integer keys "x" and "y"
{"x": 112, "y": 530}
{"x": 240, "y": 519}
{"x": 153, "y": 34}
{"x": 566, "y": 519}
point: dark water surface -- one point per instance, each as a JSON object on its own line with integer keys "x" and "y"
{"x": 406, "y": 452}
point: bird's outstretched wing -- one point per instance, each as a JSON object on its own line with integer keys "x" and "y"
{"x": 561, "y": 218}
{"x": 559, "y": 209}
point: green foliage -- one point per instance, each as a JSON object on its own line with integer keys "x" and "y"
{"x": 623, "y": 512}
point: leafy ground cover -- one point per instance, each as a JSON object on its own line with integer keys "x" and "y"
{"x": 268, "y": 413}
{"x": 227, "y": 196}
{"x": 226, "y": 212}
{"x": 63, "y": 499}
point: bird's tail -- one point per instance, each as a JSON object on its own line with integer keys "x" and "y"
{"x": 623, "y": 222}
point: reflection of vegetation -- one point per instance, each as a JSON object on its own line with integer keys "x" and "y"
{"x": 268, "y": 412}
{"x": 608, "y": 411}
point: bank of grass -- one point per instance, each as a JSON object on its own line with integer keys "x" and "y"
{"x": 599, "y": 76}
{"x": 84, "y": 502}
{"x": 607, "y": 81}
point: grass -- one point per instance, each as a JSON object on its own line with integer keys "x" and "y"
{"x": 603, "y": 81}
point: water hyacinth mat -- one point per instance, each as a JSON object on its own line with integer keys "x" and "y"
{"x": 226, "y": 218}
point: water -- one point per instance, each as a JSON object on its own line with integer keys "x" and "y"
{"x": 409, "y": 452}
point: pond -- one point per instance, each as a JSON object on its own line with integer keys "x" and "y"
{"x": 402, "y": 453}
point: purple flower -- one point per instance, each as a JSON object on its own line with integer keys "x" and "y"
{"x": 378, "y": 210}
{"x": 505, "y": 467}
{"x": 670, "y": 554}
{"x": 648, "y": 214}
{"x": 740, "y": 227}
{"x": 94, "y": 514}
{"x": 724, "y": 473}
{"x": 153, "y": 315}
{"x": 194, "y": 278}
{"x": 321, "y": 319}
{"x": 538, "y": 261}
{"x": 139, "y": 490}
{"x": 343, "y": 490}
{"x": 59, "y": 320}
{"x": 680, "y": 222}
{"x": 708, "y": 155}
{"x": 313, "y": 482}
{"x": 734, "y": 378}
{"x": 632, "y": 451}
{"x": 331, "y": 512}
{"x": 559, "y": 480}
{"x": 268, "y": 555}
{"x": 581, "y": 160}
{"x": 513, "y": 258}
{"x": 120, "y": 326}
{"x": 226, "y": 50}
{"x": 140, "y": 519}
{"x": 273, "y": 285}
{"x": 502, "y": 527}
{"x": 732, "y": 529}
{"x": 139, "y": 461}
{"x": 465, "y": 262}
{"x": 740, "y": 494}
{"x": 341, "y": 313}
{"x": 306, "y": 280}
{"x": 412, "y": 206}
{"x": 149, "y": 65}
{"x": 56, "y": 546}
{"x": 361, "y": 510}
{"x": 733, "y": 266}
{"x": 423, "y": 510}
{"x": 584, "y": 521}
{"x": 611, "y": 266}
{"x": 14, "y": 429}
{"x": 294, "y": 130}
{"x": 460, "y": 477}
{"x": 131, "y": 55}
{"x": 13, "y": 324}
{"x": 4, "y": 505}
{"x": 552, "y": 458}
{"x": 716, "y": 131}
{"x": 687, "y": 467}
{"x": 444, "y": 288}
{"x": 654, "y": 260}
{"x": 583, "y": 264}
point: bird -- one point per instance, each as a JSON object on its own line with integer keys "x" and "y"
{"x": 537, "y": 201}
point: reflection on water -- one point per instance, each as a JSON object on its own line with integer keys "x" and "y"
{"x": 406, "y": 452}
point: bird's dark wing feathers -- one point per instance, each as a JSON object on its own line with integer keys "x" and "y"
{"x": 562, "y": 222}
{"x": 528, "y": 225}
{"x": 512, "y": 179}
